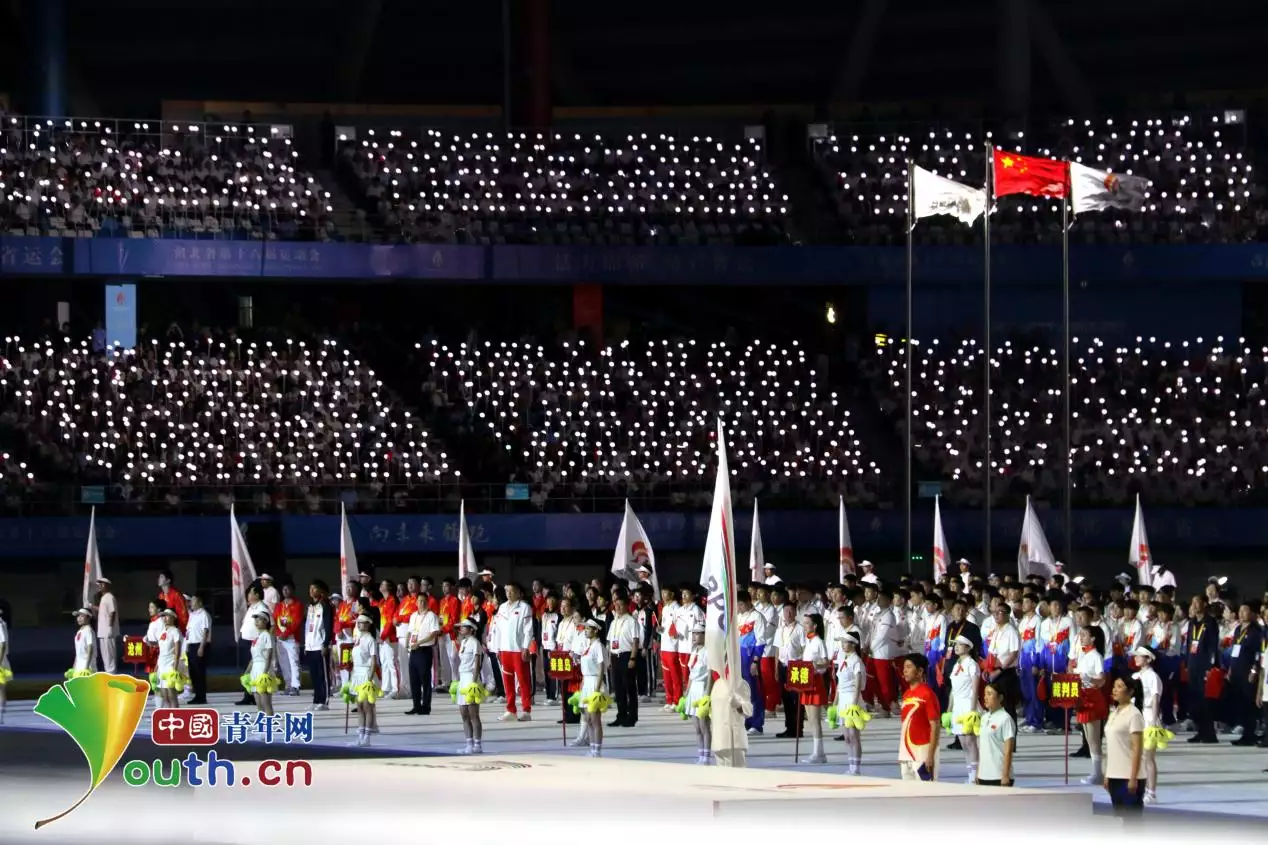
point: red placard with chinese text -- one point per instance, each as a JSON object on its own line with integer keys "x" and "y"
{"x": 562, "y": 667}
{"x": 1066, "y": 689}
{"x": 345, "y": 656}
{"x": 802, "y": 676}
{"x": 136, "y": 651}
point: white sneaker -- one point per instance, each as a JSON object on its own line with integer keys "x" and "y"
{"x": 668, "y": 708}
{"x": 1150, "y": 797}
{"x": 318, "y": 707}
{"x": 579, "y": 742}
{"x": 467, "y": 749}
{"x": 373, "y": 730}
{"x": 478, "y": 748}
{"x": 364, "y": 740}
{"x": 814, "y": 759}
{"x": 1029, "y": 729}
{"x": 507, "y": 717}
{"x": 525, "y": 717}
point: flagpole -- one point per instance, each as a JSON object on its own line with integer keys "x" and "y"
{"x": 986, "y": 390}
{"x": 1065, "y": 376}
{"x": 911, "y": 225}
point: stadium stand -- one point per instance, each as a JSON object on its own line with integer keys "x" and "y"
{"x": 1205, "y": 188}
{"x": 565, "y": 187}
{"x": 81, "y": 178}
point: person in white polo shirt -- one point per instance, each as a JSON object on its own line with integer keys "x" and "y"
{"x": 996, "y": 740}
{"x": 270, "y": 594}
{"x": 197, "y": 641}
{"x": 107, "y": 627}
{"x": 420, "y": 643}
{"x": 624, "y": 645}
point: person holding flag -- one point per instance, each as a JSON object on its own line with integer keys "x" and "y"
{"x": 107, "y": 625}
{"x": 241, "y": 575}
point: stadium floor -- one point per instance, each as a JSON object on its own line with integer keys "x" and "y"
{"x": 1196, "y": 780}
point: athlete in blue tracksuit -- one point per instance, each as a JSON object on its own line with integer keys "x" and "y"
{"x": 1055, "y": 633}
{"x": 1031, "y": 658}
{"x": 752, "y": 630}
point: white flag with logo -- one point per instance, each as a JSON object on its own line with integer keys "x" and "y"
{"x": 1034, "y": 556}
{"x": 241, "y": 570}
{"x": 634, "y": 549}
{"x": 92, "y": 561}
{"x": 466, "y": 554}
{"x": 1139, "y": 555}
{"x": 941, "y": 553}
{"x": 845, "y": 546}
{"x": 933, "y": 195}
{"x": 348, "y": 570}
{"x": 756, "y": 557}
{"x": 1098, "y": 190}
{"x": 717, "y": 575}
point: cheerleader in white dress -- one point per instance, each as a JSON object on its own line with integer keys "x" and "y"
{"x": 362, "y": 688}
{"x": 594, "y": 698}
{"x": 471, "y": 689}
{"x": 171, "y": 680}
{"x": 697, "y": 705}
{"x": 85, "y": 646}
{"x": 6, "y": 674}
{"x": 964, "y": 715}
{"x": 264, "y": 670}
{"x": 851, "y": 679}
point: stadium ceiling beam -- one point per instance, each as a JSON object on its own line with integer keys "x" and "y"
{"x": 363, "y": 22}
{"x": 1074, "y": 87}
{"x": 858, "y": 53}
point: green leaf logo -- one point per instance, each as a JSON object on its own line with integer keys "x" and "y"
{"x": 101, "y": 713}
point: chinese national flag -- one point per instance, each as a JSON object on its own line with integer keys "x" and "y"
{"x": 1038, "y": 177}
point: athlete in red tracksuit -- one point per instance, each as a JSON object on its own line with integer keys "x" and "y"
{"x": 514, "y": 631}
{"x": 670, "y": 665}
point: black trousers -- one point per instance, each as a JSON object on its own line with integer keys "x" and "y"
{"x": 197, "y": 674}
{"x": 420, "y": 660}
{"x": 625, "y": 688}
{"x": 1201, "y": 709}
{"x": 1242, "y": 709}
{"x": 646, "y": 676}
{"x": 790, "y": 699}
{"x": 1124, "y": 801}
{"x": 498, "y": 689}
{"x": 316, "y": 663}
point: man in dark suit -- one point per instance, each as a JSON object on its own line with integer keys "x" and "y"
{"x": 1243, "y": 676}
{"x": 959, "y": 626}
{"x": 1203, "y": 656}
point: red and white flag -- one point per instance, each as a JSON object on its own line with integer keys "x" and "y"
{"x": 1034, "y": 556}
{"x": 1139, "y": 555}
{"x": 348, "y": 570}
{"x": 845, "y": 547}
{"x": 466, "y": 554}
{"x": 92, "y": 562}
{"x": 241, "y": 570}
{"x": 941, "y": 553}
{"x": 756, "y": 557}
{"x": 634, "y": 550}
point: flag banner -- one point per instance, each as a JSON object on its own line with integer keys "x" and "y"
{"x": 1099, "y": 190}
{"x": 466, "y": 553}
{"x": 92, "y": 562}
{"x": 1038, "y": 177}
{"x": 756, "y": 557}
{"x": 241, "y": 570}
{"x": 1034, "y": 556}
{"x": 941, "y": 554}
{"x": 717, "y": 575}
{"x": 634, "y": 549}
{"x": 348, "y": 570}
{"x": 1138, "y": 555}
{"x": 845, "y": 547}
{"x": 933, "y": 195}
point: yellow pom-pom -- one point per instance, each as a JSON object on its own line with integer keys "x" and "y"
{"x": 703, "y": 707}
{"x": 855, "y": 717}
{"x": 6, "y": 675}
{"x": 245, "y": 680}
{"x": 367, "y": 693}
{"x": 453, "y": 690}
{"x": 574, "y": 701}
{"x": 172, "y": 680}
{"x": 833, "y": 716}
{"x": 596, "y": 702}
{"x": 475, "y": 693}
{"x": 1157, "y": 739}
{"x": 266, "y": 684}
{"x": 971, "y": 722}
{"x": 348, "y": 696}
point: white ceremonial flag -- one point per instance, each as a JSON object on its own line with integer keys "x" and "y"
{"x": 1139, "y": 555}
{"x": 845, "y": 547}
{"x": 92, "y": 562}
{"x": 634, "y": 549}
{"x": 941, "y": 553}
{"x": 933, "y": 195}
{"x": 717, "y": 576}
{"x": 756, "y": 557}
{"x": 466, "y": 554}
{"x": 1034, "y": 556}
{"x": 241, "y": 570}
{"x": 1098, "y": 190}
{"x": 348, "y": 570}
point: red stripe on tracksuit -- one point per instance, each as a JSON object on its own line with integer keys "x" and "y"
{"x": 770, "y": 682}
{"x": 515, "y": 670}
{"x": 671, "y": 668}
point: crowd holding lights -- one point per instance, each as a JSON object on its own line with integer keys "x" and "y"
{"x": 640, "y": 416}
{"x": 567, "y": 187}
{"x": 78, "y": 178}
{"x": 1182, "y": 423}
{"x": 176, "y": 418}
{"x": 1204, "y": 186}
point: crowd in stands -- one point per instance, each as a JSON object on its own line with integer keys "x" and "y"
{"x": 1181, "y": 424}
{"x": 300, "y": 426}
{"x": 79, "y": 178}
{"x": 1205, "y": 188}
{"x": 566, "y": 187}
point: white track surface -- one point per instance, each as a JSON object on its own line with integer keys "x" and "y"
{"x": 1194, "y": 778}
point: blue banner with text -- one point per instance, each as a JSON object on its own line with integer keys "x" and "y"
{"x": 1010, "y": 264}
{"x": 781, "y": 530}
